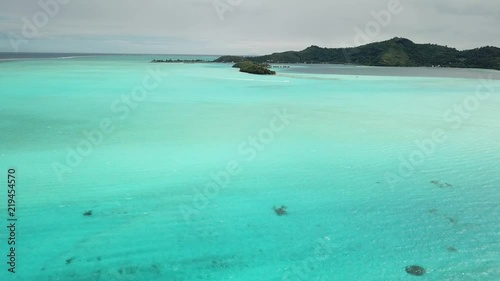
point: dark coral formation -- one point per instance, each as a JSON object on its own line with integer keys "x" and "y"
{"x": 433, "y": 211}
{"x": 281, "y": 211}
{"x": 441, "y": 184}
{"x": 452, "y": 220}
{"x": 415, "y": 270}
{"x": 88, "y": 213}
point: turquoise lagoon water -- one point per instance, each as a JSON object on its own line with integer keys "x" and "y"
{"x": 354, "y": 156}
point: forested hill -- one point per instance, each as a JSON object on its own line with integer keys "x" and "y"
{"x": 394, "y": 52}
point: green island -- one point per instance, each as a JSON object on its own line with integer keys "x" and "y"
{"x": 254, "y": 68}
{"x": 394, "y": 52}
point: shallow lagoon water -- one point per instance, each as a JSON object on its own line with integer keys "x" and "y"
{"x": 356, "y": 211}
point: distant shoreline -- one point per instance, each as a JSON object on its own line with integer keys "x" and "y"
{"x": 396, "y": 52}
{"x": 288, "y": 65}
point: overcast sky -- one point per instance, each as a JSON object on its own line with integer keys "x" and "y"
{"x": 238, "y": 26}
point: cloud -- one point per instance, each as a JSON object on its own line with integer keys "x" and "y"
{"x": 250, "y": 27}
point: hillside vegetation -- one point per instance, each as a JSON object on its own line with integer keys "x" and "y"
{"x": 393, "y": 52}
